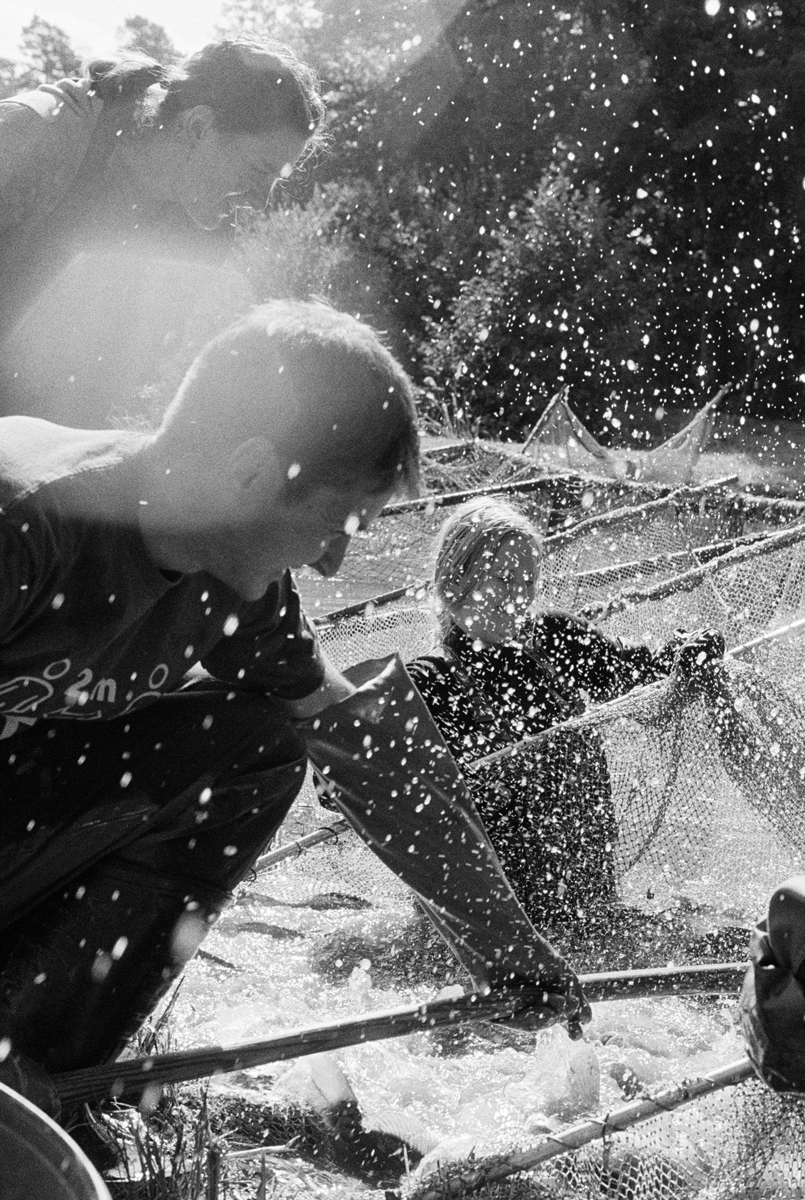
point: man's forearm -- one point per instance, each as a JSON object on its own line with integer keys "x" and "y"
{"x": 333, "y": 688}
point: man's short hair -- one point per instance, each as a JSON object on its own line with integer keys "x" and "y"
{"x": 318, "y": 383}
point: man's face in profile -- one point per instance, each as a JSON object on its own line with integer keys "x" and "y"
{"x": 312, "y": 530}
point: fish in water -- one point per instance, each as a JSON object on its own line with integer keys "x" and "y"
{"x": 280, "y": 932}
{"x": 565, "y": 1083}
{"x": 213, "y": 958}
{"x": 320, "y": 901}
{"x": 377, "y": 1149}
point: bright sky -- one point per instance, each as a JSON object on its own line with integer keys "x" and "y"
{"x": 92, "y": 25}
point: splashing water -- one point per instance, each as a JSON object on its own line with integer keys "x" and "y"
{"x": 483, "y": 1089}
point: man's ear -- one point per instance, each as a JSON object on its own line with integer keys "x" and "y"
{"x": 254, "y": 472}
{"x": 197, "y": 123}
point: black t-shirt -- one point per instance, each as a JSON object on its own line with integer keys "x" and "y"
{"x": 90, "y": 627}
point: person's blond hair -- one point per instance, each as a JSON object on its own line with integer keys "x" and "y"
{"x": 467, "y": 542}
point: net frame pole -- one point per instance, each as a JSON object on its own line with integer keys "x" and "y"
{"x": 704, "y": 554}
{"x": 535, "y": 484}
{"x": 584, "y": 1132}
{"x": 324, "y": 833}
{"x": 784, "y": 634}
{"x": 688, "y": 579}
{"x": 746, "y": 500}
{"x": 361, "y": 607}
{"x": 563, "y": 393}
{"x": 679, "y": 496}
{"x": 450, "y": 499}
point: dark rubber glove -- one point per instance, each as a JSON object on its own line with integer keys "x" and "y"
{"x": 697, "y": 657}
{"x": 772, "y": 1004}
{"x": 567, "y": 1000}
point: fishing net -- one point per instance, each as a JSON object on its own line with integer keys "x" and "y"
{"x": 740, "y": 1142}
{"x": 560, "y": 438}
{"x": 632, "y": 546}
{"x": 703, "y": 792}
{"x": 397, "y": 551}
{"x": 743, "y": 592}
{"x": 408, "y": 629}
{"x": 701, "y": 788}
{"x": 704, "y": 784}
{"x": 705, "y": 795}
{"x": 706, "y": 788}
{"x": 636, "y": 573}
{"x": 600, "y": 537}
{"x": 464, "y": 465}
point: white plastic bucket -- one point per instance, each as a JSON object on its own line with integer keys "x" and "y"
{"x": 38, "y": 1160}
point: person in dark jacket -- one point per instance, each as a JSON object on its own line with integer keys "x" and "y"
{"x": 501, "y": 674}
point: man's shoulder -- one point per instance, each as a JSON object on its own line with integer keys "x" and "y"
{"x": 62, "y": 102}
{"x": 44, "y": 137}
{"x": 35, "y": 454}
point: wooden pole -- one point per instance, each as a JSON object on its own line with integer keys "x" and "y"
{"x": 783, "y": 634}
{"x": 131, "y": 1077}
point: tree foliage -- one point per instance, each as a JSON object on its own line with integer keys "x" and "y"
{"x": 567, "y": 297}
{"x": 142, "y": 36}
{"x": 47, "y": 51}
{"x": 637, "y": 164}
{"x": 47, "y": 57}
{"x": 300, "y": 251}
{"x": 13, "y": 79}
{"x": 673, "y": 131}
{"x": 716, "y": 157}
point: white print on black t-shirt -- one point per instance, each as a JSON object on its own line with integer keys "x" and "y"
{"x": 25, "y": 693}
{"x": 80, "y": 692}
{"x": 86, "y": 699}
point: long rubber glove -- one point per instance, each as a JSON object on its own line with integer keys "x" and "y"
{"x": 772, "y": 1002}
{"x": 399, "y": 787}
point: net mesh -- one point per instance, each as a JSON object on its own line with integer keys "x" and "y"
{"x": 697, "y": 790}
{"x": 743, "y": 593}
{"x": 639, "y": 538}
{"x": 706, "y": 789}
{"x": 740, "y": 1142}
{"x": 599, "y": 558}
